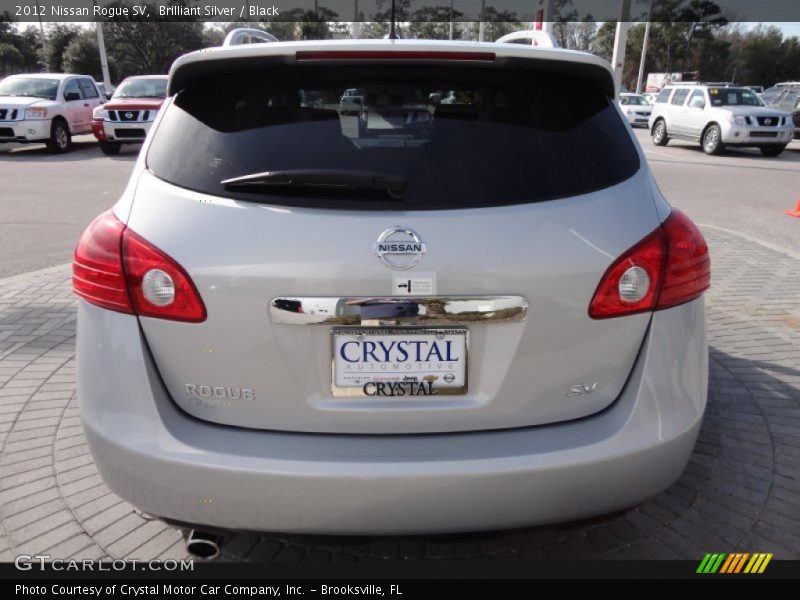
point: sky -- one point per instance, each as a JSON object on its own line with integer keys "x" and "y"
{"x": 788, "y": 29}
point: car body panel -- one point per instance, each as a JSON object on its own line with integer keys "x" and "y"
{"x": 171, "y": 465}
{"x": 76, "y": 113}
{"x": 128, "y": 120}
{"x": 241, "y": 255}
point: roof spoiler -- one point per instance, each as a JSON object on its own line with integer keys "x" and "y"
{"x": 245, "y": 35}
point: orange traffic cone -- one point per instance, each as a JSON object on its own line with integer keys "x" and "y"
{"x": 795, "y": 212}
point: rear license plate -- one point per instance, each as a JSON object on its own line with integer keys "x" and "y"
{"x": 397, "y": 362}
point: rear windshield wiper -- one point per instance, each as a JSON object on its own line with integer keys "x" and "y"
{"x": 322, "y": 179}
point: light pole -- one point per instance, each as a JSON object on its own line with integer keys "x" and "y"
{"x": 451, "y": 19}
{"x": 101, "y": 45}
{"x": 44, "y": 38}
{"x": 644, "y": 49}
{"x": 620, "y": 41}
{"x": 356, "y": 23}
{"x": 481, "y": 24}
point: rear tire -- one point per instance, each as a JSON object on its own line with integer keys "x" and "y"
{"x": 60, "y": 140}
{"x": 110, "y": 148}
{"x": 712, "y": 140}
{"x": 772, "y": 150}
{"x": 659, "y": 133}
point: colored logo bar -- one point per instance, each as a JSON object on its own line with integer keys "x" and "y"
{"x": 741, "y": 562}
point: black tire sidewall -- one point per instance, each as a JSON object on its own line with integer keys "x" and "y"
{"x": 52, "y": 144}
{"x": 110, "y": 148}
{"x": 772, "y": 151}
{"x": 664, "y": 138}
{"x": 718, "y": 148}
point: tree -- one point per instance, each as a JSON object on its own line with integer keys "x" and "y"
{"x": 29, "y": 44}
{"x": 214, "y": 36}
{"x": 314, "y": 26}
{"x": 433, "y": 23}
{"x": 762, "y": 57}
{"x": 496, "y": 25}
{"x": 563, "y": 17}
{"x": 299, "y": 24}
{"x": 82, "y": 55}
{"x": 21, "y": 49}
{"x": 702, "y": 16}
{"x": 579, "y": 35}
{"x": 374, "y": 30}
{"x": 11, "y": 59}
{"x": 59, "y": 36}
{"x": 603, "y": 44}
{"x": 147, "y": 47}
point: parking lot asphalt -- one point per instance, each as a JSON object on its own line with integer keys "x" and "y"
{"x": 47, "y": 201}
{"x": 741, "y": 190}
{"x": 740, "y": 491}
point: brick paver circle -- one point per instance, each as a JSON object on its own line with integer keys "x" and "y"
{"x": 740, "y": 491}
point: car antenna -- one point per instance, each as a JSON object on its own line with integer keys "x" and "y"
{"x": 392, "y": 32}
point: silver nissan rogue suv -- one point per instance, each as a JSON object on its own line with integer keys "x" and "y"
{"x": 416, "y": 316}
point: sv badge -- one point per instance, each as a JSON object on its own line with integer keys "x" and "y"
{"x": 581, "y": 388}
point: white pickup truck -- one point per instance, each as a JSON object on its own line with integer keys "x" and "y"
{"x": 47, "y": 107}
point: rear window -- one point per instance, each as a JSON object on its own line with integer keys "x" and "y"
{"x": 459, "y": 136}
{"x": 663, "y": 96}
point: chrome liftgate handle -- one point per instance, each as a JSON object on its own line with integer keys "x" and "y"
{"x": 374, "y": 311}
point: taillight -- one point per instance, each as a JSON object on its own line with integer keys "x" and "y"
{"x": 115, "y": 268}
{"x": 97, "y": 265}
{"x": 158, "y": 286}
{"x": 668, "y": 267}
{"x": 688, "y": 270}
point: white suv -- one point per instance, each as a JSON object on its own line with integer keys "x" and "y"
{"x": 717, "y": 116}
{"x": 47, "y": 107}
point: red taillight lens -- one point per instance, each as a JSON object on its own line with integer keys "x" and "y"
{"x": 649, "y": 255}
{"x": 140, "y": 257}
{"x": 97, "y": 275}
{"x": 115, "y": 268}
{"x": 669, "y": 267}
{"x": 688, "y": 271}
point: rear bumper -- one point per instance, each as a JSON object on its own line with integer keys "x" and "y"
{"x": 24, "y": 131}
{"x": 175, "y": 466}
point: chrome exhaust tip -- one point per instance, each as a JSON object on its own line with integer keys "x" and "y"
{"x": 203, "y": 544}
